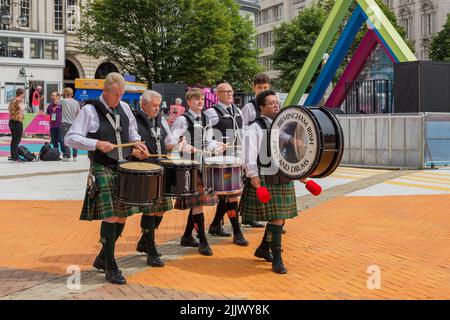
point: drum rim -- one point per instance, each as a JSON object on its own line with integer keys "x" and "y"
{"x": 157, "y": 170}
{"x": 319, "y": 147}
{"x": 339, "y": 142}
{"x": 223, "y": 165}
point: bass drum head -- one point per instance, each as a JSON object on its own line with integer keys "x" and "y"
{"x": 295, "y": 142}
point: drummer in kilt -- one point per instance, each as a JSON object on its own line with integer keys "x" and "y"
{"x": 261, "y": 172}
{"x": 226, "y": 119}
{"x": 99, "y": 126}
{"x": 155, "y": 132}
{"x": 195, "y": 132}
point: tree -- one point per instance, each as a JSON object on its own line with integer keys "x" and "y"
{"x": 293, "y": 43}
{"x": 440, "y": 46}
{"x": 294, "y": 40}
{"x": 162, "y": 41}
{"x": 243, "y": 63}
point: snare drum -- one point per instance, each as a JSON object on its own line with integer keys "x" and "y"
{"x": 139, "y": 183}
{"x": 180, "y": 177}
{"x": 223, "y": 175}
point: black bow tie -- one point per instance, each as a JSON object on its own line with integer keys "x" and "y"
{"x": 197, "y": 119}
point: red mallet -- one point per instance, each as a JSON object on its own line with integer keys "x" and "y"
{"x": 263, "y": 194}
{"x": 313, "y": 187}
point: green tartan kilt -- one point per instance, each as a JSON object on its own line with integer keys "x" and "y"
{"x": 202, "y": 199}
{"x": 163, "y": 206}
{"x": 282, "y": 205}
{"x": 104, "y": 205}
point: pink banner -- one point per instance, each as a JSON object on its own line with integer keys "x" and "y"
{"x": 33, "y": 123}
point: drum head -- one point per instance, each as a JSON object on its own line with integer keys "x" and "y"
{"x": 295, "y": 142}
{"x": 179, "y": 162}
{"x": 139, "y": 166}
{"x": 223, "y": 160}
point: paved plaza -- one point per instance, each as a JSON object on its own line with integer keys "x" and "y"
{"x": 371, "y": 234}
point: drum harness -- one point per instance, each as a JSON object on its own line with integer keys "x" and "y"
{"x": 92, "y": 185}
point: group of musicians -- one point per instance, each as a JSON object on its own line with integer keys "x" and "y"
{"x": 107, "y": 122}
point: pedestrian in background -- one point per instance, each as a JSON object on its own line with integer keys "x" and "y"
{"x": 15, "y": 109}
{"x": 70, "y": 109}
{"x": 54, "y": 109}
{"x": 175, "y": 111}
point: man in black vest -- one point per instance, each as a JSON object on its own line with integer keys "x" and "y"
{"x": 226, "y": 119}
{"x": 195, "y": 130}
{"x": 252, "y": 111}
{"x": 154, "y": 131}
{"x": 99, "y": 127}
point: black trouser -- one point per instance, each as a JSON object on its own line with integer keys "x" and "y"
{"x": 16, "y": 128}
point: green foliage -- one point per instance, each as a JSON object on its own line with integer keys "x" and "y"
{"x": 170, "y": 41}
{"x": 440, "y": 46}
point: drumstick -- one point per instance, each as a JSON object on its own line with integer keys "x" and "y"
{"x": 127, "y": 145}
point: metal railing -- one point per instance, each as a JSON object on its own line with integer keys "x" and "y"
{"x": 369, "y": 97}
{"x": 396, "y": 140}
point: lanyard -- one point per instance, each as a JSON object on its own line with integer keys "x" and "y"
{"x": 116, "y": 126}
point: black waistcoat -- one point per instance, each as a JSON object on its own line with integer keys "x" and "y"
{"x": 106, "y": 132}
{"x": 256, "y": 107}
{"x": 196, "y": 134}
{"x": 144, "y": 129}
{"x": 226, "y": 121}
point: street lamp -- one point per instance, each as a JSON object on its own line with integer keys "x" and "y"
{"x": 6, "y": 18}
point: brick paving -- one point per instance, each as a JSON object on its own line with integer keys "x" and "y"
{"x": 328, "y": 250}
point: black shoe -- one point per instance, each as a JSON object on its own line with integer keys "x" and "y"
{"x": 264, "y": 254}
{"x": 100, "y": 264}
{"x": 279, "y": 268}
{"x": 218, "y": 231}
{"x": 141, "y": 247}
{"x": 115, "y": 277}
{"x": 155, "y": 261}
{"x": 204, "y": 249}
{"x": 189, "y": 242}
{"x": 240, "y": 240}
{"x": 253, "y": 224}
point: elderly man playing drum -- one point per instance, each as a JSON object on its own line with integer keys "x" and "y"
{"x": 261, "y": 172}
{"x": 99, "y": 127}
{"x": 194, "y": 129}
{"x": 227, "y": 121}
{"x": 155, "y": 132}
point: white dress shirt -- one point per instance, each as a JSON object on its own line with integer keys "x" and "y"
{"x": 180, "y": 127}
{"x": 248, "y": 113}
{"x": 87, "y": 121}
{"x": 214, "y": 117}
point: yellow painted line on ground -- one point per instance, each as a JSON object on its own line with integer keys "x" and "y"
{"x": 429, "y": 174}
{"x": 413, "y": 185}
{"x": 430, "y": 179}
{"x": 342, "y": 176}
{"x": 362, "y": 170}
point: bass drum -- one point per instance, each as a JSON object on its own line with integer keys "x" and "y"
{"x": 306, "y": 142}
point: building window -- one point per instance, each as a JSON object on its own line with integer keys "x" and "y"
{"x": 10, "y": 91}
{"x": 72, "y": 15}
{"x": 25, "y": 9}
{"x": 11, "y": 47}
{"x": 44, "y": 49}
{"x": 50, "y": 87}
{"x": 59, "y": 14}
{"x": 5, "y": 8}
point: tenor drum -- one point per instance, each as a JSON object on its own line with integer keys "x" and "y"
{"x": 139, "y": 183}
{"x": 180, "y": 177}
{"x": 223, "y": 175}
{"x": 306, "y": 142}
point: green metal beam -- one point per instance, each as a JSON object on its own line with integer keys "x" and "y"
{"x": 320, "y": 47}
{"x": 387, "y": 31}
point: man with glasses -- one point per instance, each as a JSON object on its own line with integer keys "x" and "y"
{"x": 227, "y": 119}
